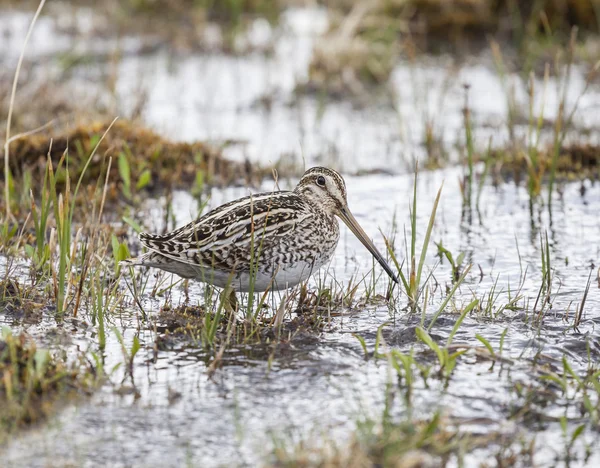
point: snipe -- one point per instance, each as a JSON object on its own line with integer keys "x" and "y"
{"x": 271, "y": 240}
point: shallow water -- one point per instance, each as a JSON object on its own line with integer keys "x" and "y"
{"x": 324, "y": 386}
{"x": 251, "y": 99}
{"x": 317, "y": 389}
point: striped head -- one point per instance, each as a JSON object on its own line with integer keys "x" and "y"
{"x": 324, "y": 188}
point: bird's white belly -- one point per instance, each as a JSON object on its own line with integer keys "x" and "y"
{"x": 286, "y": 276}
{"x": 283, "y": 279}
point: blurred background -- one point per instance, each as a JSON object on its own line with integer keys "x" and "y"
{"x": 360, "y": 86}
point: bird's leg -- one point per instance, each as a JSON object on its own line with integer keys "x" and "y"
{"x": 233, "y": 301}
{"x": 186, "y": 289}
{"x": 229, "y": 300}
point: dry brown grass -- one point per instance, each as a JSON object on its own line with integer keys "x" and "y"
{"x": 351, "y": 57}
{"x": 448, "y": 18}
{"x": 172, "y": 164}
{"x": 43, "y": 98}
{"x": 576, "y": 161}
{"x": 366, "y": 38}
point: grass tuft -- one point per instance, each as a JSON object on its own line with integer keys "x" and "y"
{"x": 32, "y": 380}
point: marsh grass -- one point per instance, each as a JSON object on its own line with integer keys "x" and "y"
{"x": 182, "y": 24}
{"x": 544, "y": 157}
{"x": 455, "y": 263}
{"x": 366, "y": 38}
{"x": 447, "y": 360}
{"x": 7, "y": 136}
{"x": 61, "y": 237}
{"x": 61, "y": 256}
{"x": 467, "y": 184}
{"x": 268, "y": 317}
{"x": 412, "y": 282}
{"x": 558, "y": 382}
{"x": 144, "y": 160}
{"x": 33, "y": 380}
{"x": 407, "y": 443}
{"x": 538, "y": 149}
{"x": 220, "y": 333}
{"x": 21, "y": 300}
{"x": 436, "y": 440}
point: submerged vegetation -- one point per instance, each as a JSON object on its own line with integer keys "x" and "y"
{"x": 513, "y": 318}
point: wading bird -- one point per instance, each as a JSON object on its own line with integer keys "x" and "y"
{"x": 271, "y": 240}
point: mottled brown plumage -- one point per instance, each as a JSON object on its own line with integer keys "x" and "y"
{"x": 271, "y": 240}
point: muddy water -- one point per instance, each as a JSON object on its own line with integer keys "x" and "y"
{"x": 317, "y": 389}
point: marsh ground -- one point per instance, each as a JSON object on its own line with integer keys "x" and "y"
{"x": 506, "y": 372}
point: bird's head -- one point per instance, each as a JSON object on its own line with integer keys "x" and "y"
{"x": 326, "y": 189}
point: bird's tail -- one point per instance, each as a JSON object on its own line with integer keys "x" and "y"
{"x": 147, "y": 259}
{"x": 156, "y": 260}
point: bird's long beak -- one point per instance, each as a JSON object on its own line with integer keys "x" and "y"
{"x": 353, "y": 225}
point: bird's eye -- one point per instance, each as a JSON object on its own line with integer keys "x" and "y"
{"x": 321, "y": 181}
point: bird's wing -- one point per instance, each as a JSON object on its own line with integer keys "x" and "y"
{"x": 243, "y": 225}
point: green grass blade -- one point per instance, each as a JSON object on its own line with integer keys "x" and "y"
{"x": 485, "y": 343}
{"x": 448, "y": 297}
{"x": 428, "y": 235}
{"x": 464, "y": 313}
